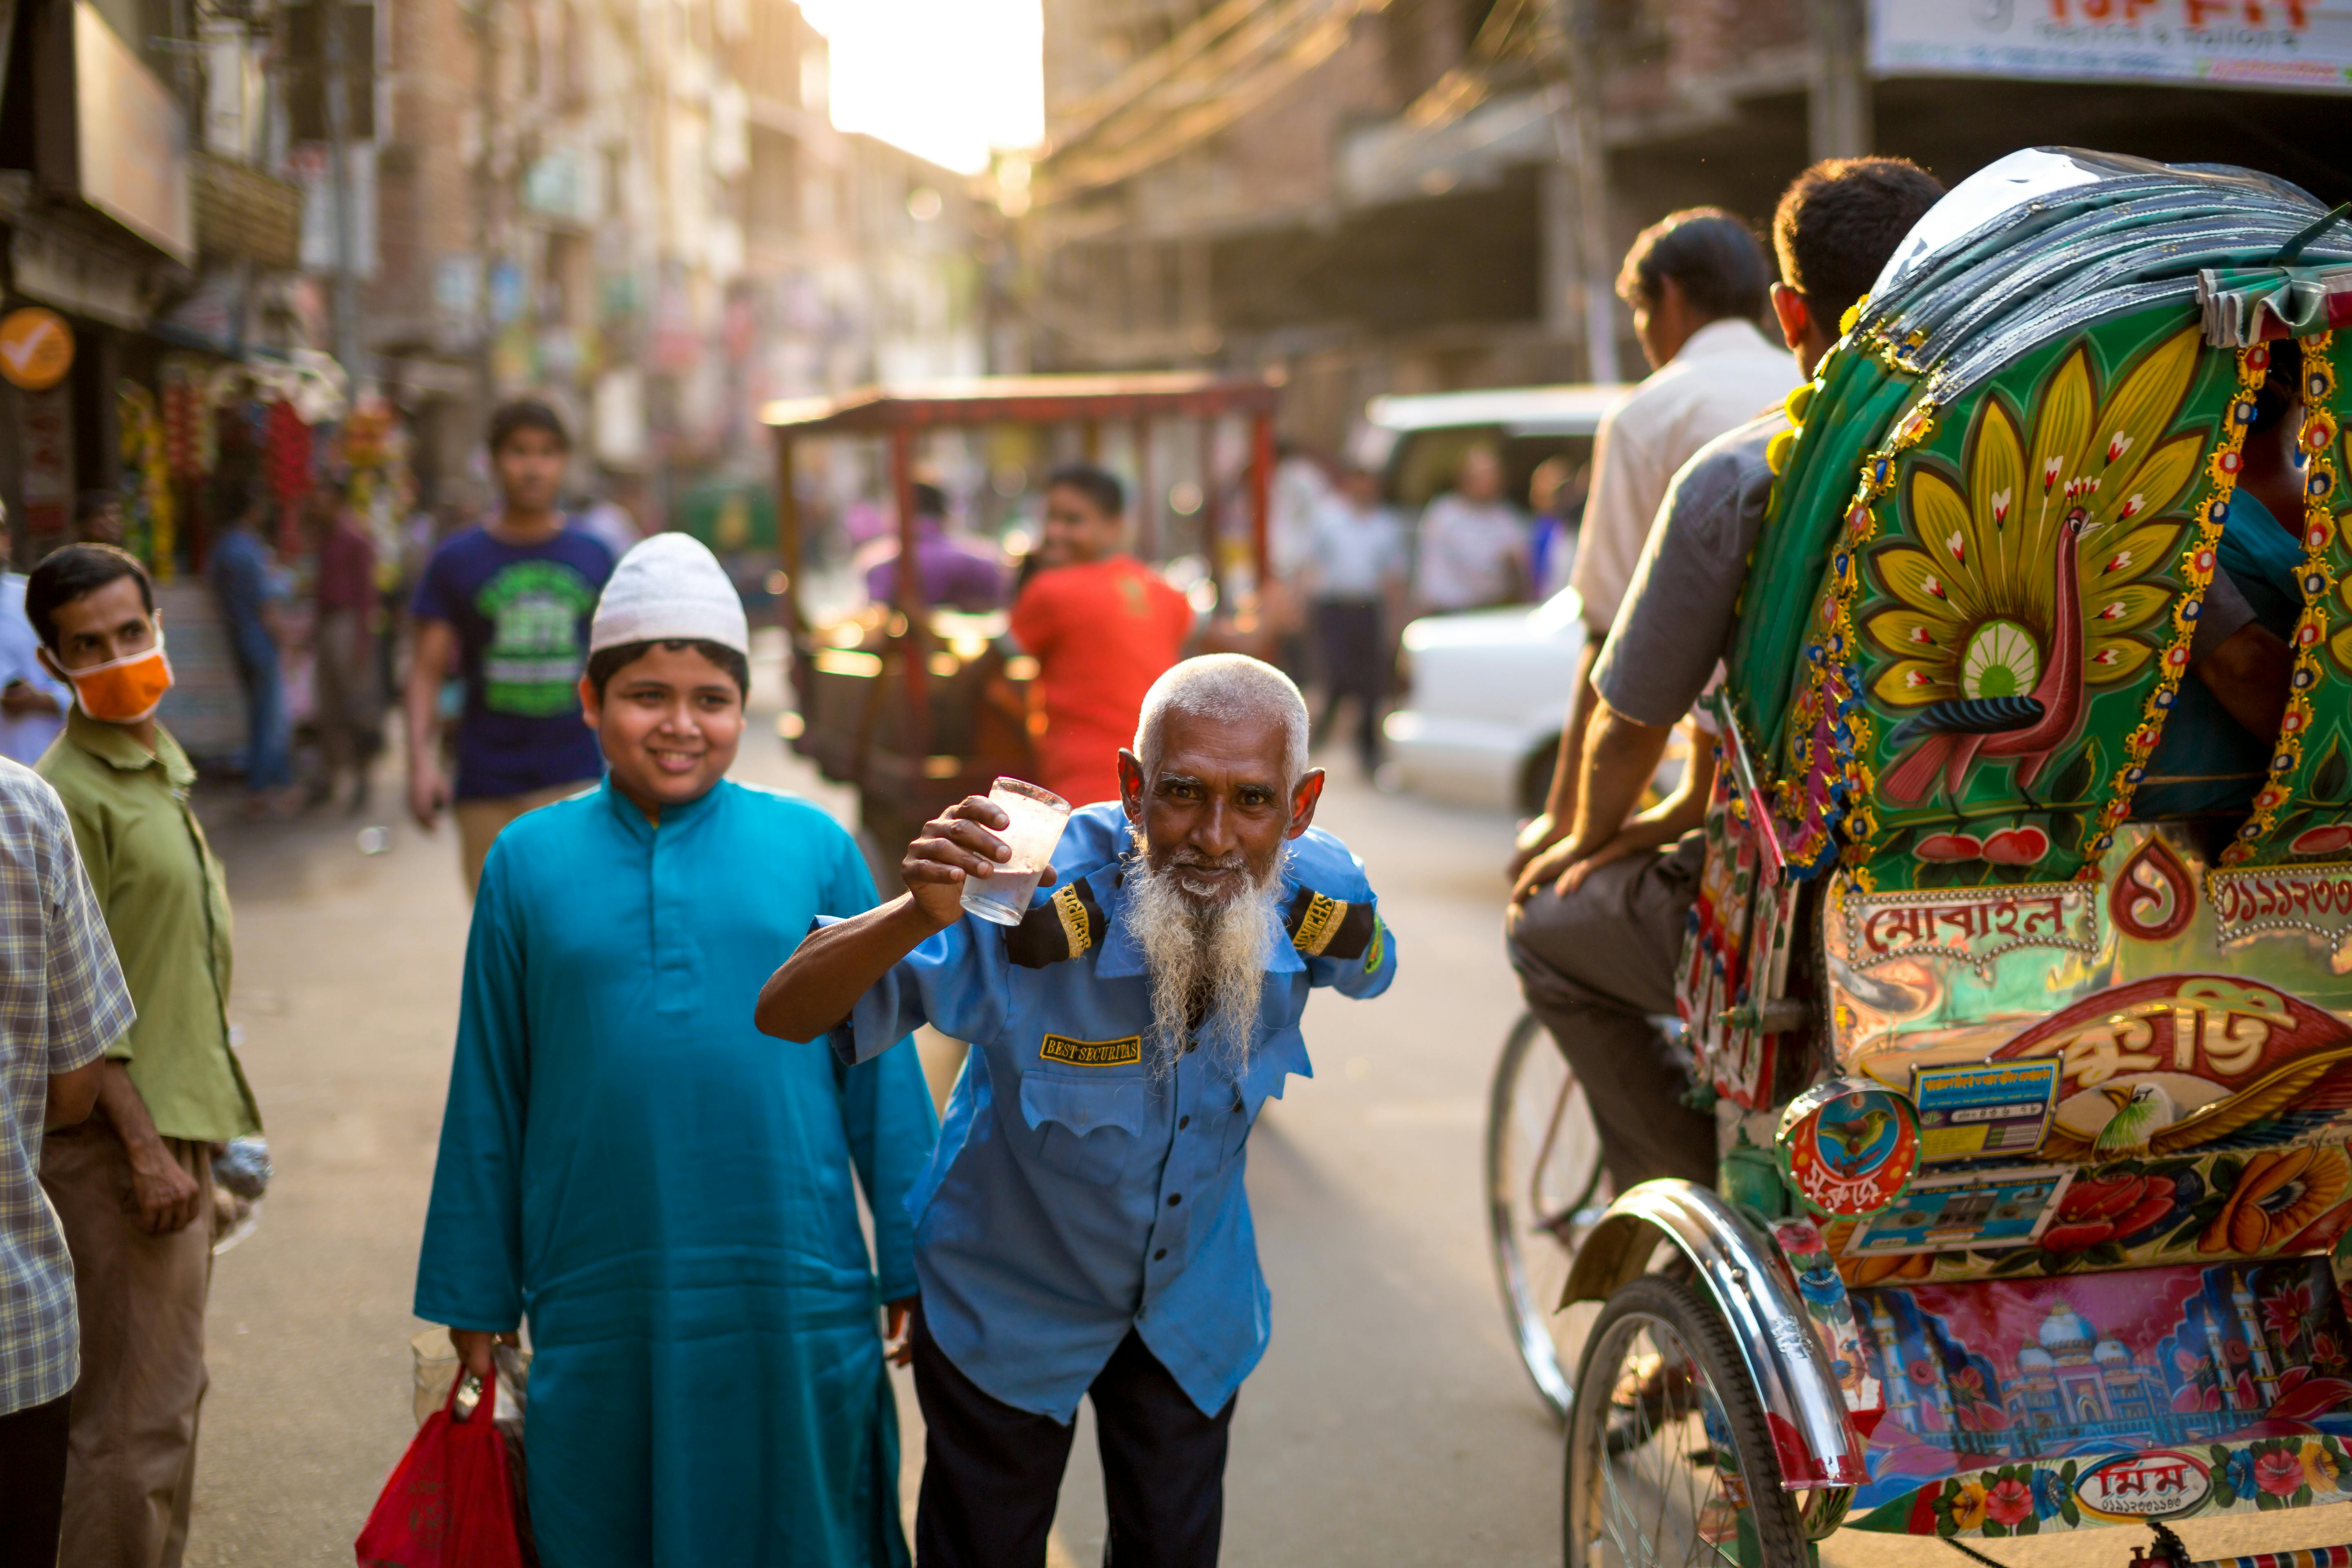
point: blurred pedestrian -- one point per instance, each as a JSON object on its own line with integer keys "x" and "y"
{"x": 62, "y": 1003}
{"x": 1355, "y": 576}
{"x": 98, "y": 517}
{"x": 1556, "y": 495}
{"x": 133, "y": 1187}
{"x": 1295, "y": 501}
{"x": 1473, "y": 543}
{"x": 347, "y": 701}
{"x": 1697, "y": 281}
{"x": 253, "y": 591}
{"x": 1102, "y": 625}
{"x": 608, "y": 523}
{"x": 33, "y": 702}
{"x": 955, "y": 573}
{"x": 708, "y": 1384}
{"x": 505, "y": 604}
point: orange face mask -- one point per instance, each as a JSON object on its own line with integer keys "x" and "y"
{"x": 124, "y": 690}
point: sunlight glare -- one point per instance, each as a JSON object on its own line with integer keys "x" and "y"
{"x": 946, "y": 79}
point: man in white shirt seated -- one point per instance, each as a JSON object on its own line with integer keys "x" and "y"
{"x": 1698, "y": 282}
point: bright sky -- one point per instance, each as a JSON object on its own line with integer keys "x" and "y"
{"x": 947, "y": 79}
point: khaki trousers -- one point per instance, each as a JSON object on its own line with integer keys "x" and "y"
{"x": 131, "y": 1458}
{"x": 1595, "y": 966}
{"x": 482, "y": 819}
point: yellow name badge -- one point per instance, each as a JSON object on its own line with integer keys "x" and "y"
{"x": 1093, "y": 1053}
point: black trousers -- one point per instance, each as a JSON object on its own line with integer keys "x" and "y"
{"x": 1355, "y": 664}
{"x": 992, "y": 1474}
{"x": 33, "y": 1481}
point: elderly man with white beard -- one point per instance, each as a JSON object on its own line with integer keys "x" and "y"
{"x": 1083, "y": 1230}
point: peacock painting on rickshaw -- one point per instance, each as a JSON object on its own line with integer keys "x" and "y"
{"x": 2020, "y": 970}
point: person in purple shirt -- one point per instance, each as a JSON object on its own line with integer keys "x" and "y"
{"x": 955, "y": 573}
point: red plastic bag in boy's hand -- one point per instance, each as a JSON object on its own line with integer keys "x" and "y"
{"x": 449, "y": 1503}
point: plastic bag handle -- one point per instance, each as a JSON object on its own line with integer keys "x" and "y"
{"x": 490, "y": 1394}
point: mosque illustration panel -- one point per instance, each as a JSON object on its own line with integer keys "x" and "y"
{"x": 2023, "y": 1378}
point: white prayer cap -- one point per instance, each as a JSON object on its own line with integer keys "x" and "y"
{"x": 669, "y": 586}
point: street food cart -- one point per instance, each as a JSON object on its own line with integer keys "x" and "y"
{"x": 917, "y": 706}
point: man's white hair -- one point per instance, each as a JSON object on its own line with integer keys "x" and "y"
{"x": 1228, "y": 689}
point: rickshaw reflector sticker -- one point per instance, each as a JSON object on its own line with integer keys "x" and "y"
{"x": 1847, "y": 1146}
{"x": 1977, "y": 1212}
{"x": 1973, "y": 1111}
{"x": 2163, "y": 1484}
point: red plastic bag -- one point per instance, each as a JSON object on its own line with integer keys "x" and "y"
{"x": 449, "y": 1503}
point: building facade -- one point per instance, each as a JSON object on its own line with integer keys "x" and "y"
{"x": 640, "y": 210}
{"x": 1406, "y": 195}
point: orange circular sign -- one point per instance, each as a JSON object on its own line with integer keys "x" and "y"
{"x": 36, "y": 348}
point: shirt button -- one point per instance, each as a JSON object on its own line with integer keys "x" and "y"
{"x": 1159, "y": 1255}
{"x": 1183, "y": 1123}
{"x": 1175, "y": 1198}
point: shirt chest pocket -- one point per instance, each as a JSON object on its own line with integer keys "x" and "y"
{"x": 1085, "y": 1127}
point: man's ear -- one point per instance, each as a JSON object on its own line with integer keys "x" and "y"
{"x": 1303, "y": 797}
{"x": 1795, "y": 315}
{"x": 592, "y": 707}
{"x": 1130, "y": 784}
{"x": 50, "y": 662}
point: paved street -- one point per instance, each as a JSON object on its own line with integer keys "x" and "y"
{"x": 1390, "y": 1425}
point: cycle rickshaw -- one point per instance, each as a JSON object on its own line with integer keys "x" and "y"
{"x": 2035, "y": 1118}
{"x": 919, "y": 706}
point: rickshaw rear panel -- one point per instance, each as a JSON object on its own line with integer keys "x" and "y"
{"x": 2045, "y": 1110}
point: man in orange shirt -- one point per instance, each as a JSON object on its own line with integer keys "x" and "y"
{"x": 1102, "y": 627}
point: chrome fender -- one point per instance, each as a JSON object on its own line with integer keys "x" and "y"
{"x": 1815, "y": 1442}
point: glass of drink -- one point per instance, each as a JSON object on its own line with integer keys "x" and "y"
{"x": 1037, "y": 814}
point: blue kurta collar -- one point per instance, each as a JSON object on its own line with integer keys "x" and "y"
{"x": 673, "y": 817}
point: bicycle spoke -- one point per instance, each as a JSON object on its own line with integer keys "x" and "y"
{"x": 1667, "y": 1485}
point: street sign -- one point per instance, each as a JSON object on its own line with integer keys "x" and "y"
{"x": 36, "y": 348}
{"x": 2294, "y": 45}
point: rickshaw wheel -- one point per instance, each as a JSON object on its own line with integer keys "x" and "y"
{"x": 1545, "y": 1189}
{"x": 1669, "y": 1461}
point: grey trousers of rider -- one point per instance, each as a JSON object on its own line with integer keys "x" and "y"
{"x": 1595, "y": 966}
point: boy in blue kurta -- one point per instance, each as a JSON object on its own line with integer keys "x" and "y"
{"x": 625, "y": 1162}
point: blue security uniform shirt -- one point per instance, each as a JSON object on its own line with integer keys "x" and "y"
{"x": 1077, "y": 1193}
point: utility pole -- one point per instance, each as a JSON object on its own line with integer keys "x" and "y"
{"x": 1840, "y": 106}
{"x": 1584, "y": 39}
{"x": 333, "y": 15}
{"x": 1579, "y": 264}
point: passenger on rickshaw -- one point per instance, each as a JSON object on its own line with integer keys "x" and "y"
{"x": 1597, "y": 920}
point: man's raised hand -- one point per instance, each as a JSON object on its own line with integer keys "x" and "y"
{"x": 955, "y": 845}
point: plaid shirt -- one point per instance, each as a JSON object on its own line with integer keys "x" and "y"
{"x": 62, "y": 1003}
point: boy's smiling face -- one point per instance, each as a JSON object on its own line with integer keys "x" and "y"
{"x": 670, "y": 723}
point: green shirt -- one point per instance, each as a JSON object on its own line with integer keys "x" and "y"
{"x": 166, "y": 907}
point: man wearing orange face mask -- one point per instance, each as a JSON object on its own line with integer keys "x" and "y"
{"x": 133, "y": 1186}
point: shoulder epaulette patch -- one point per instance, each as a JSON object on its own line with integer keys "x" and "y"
{"x": 1063, "y": 927}
{"x": 1323, "y": 926}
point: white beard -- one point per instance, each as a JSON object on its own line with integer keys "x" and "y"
{"x": 1198, "y": 952}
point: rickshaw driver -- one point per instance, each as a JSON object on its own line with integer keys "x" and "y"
{"x": 1083, "y": 1231}
{"x": 1596, "y": 924}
